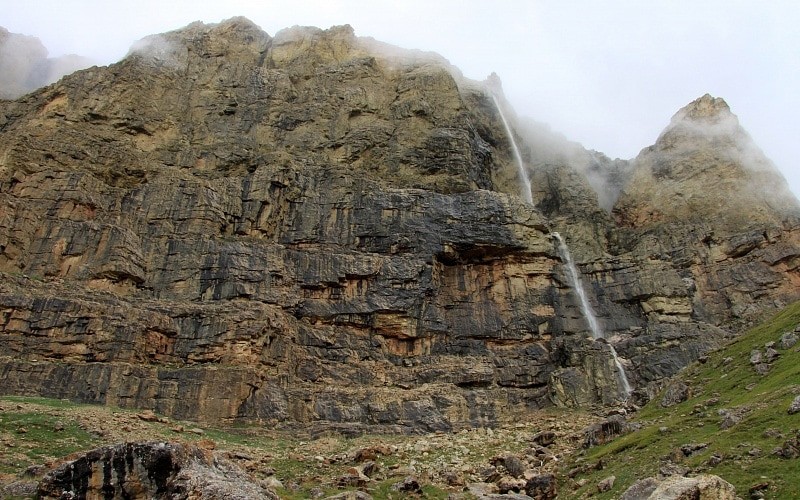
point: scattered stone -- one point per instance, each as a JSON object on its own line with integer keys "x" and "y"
{"x": 22, "y": 430}
{"x": 756, "y": 357}
{"x": 197, "y": 430}
{"x": 772, "y": 433}
{"x": 371, "y": 453}
{"x": 545, "y": 438}
{"x": 272, "y": 483}
{"x": 350, "y": 495}
{"x": 511, "y": 463}
{"x": 508, "y": 484}
{"x": 771, "y": 355}
{"x": 762, "y": 368}
{"x": 788, "y": 340}
{"x": 759, "y": 490}
{"x": 795, "y": 406}
{"x": 606, "y": 484}
{"x": 353, "y": 477}
{"x": 729, "y": 418}
{"x": 542, "y": 487}
{"x": 663, "y": 430}
{"x": 690, "y": 449}
{"x": 641, "y": 489}
{"x": 702, "y": 486}
{"x": 369, "y": 469}
{"x": 727, "y": 360}
{"x": 408, "y": 485}
{"x": 59, "y": 426}
{"x": 673, "y": 469}
{"x": 714, "y": 460}
{"x": 790, "y": 448}
{"x": 148, "y": 416}
{"x": 453, "y": 478}
{"x": 482, "y": 490}
{"x": 677, "y": 392}
{"x": 18, "y": 489}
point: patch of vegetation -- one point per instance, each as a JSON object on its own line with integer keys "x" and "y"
{"x": 36, "y": 438}
{"x": 735, "y": 418}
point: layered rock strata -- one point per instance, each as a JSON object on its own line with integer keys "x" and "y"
{"x": 314, "y": 229}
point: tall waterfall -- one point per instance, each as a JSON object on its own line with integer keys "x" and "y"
{"x": 524, "y": 180}
{"x": 572, "y": 270}
{"x": 588, "y": 311}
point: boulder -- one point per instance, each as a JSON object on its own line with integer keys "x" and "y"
{"x": 150, "y": 470}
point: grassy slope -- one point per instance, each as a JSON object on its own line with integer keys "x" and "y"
{"x": 746, "y": 448}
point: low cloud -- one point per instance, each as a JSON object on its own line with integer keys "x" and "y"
{"x": 25, "y": 65}
{"x": 160, "y": 50}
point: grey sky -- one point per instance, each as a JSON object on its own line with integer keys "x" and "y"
{"x": 606, "y": 74}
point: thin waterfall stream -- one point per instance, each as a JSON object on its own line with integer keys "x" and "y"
{"x": 588, "y": 311}
{"x": 524, "y": 180}
{"x": 566, "y": 257}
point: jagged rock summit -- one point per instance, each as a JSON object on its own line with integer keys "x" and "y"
{"x": 317, "y": 229}
{"x": 704, "y": 165}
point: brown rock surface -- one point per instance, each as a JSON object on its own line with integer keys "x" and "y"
{"x": 315, "y": 228}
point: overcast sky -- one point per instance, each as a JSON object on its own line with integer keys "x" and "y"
{"x": 608, "y": 74}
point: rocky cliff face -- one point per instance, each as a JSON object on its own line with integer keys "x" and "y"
{"x": 315, "y": 228}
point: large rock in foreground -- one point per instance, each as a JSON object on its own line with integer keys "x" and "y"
{"x": 154, "y": 470}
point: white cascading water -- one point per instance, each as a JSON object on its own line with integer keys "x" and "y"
{"x": 524, "y": 180}
{"x": 588, "y": 311}
{"x": 572, "y": 271}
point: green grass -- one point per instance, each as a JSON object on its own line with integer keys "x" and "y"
{"x": 716, "y": 384}
{"x": 40, "y": 438}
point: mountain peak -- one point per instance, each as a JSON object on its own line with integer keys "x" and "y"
{"x": 707, "y": 109}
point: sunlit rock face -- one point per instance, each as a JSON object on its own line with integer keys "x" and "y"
{"x": 318, "y": 229}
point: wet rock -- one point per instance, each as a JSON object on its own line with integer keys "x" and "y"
{"x": 605, "y": 431}
{"x": 152, "y": 470}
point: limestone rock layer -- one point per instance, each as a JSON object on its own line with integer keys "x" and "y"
{"x": 319, "y": 229}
